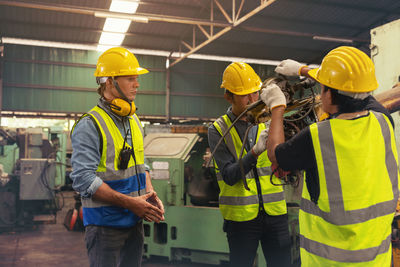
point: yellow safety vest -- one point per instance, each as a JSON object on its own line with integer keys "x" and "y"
{"x": 131, "y": 181}
{"x": 358, "y": 176}
{"x": 235, "y": 202}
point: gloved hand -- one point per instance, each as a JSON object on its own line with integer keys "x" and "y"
{"x": 272, "y": 96}
{"x": 289, "y": 67}
{"x": 261, "y": 144}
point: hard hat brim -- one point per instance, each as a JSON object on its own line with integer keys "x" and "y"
{"x": 137, "y": 71}
{"x": 141, "y": 71}
{"x": 244, "y": 92}
{"x": 313, "y": 74}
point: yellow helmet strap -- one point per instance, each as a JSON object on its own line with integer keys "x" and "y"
{"x": 121, "y": 94}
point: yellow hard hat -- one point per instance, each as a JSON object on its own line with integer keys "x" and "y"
{"x": 118, "y": 61}
{"x": 346, "y": 69}
{"x": 240, "y": 79}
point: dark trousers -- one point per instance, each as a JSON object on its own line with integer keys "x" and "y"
{"x": 244, "y": 237}
{"x": 112, "y": 247}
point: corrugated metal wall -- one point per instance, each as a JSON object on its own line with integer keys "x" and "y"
{"x": 41, "y": 79}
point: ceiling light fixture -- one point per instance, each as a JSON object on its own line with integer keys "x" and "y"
{"x": 111, "y": 38}
{"x": 118, "y": 21}
{"x": 129, "y": 7}
{"x": 116, "y": 25}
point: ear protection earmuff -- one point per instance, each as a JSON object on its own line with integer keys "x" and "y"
{"x": 122, "y": 107}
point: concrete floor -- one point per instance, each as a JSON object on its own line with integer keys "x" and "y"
{"x": 49, "y": 245}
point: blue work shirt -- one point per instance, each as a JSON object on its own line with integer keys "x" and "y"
{"x": 86, "y": 154}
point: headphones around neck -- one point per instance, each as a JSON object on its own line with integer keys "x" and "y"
{"x": 122, "y": 107}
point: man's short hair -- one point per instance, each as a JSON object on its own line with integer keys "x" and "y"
{"x": 229, "y": 93}
{"x": 346, "y": 104}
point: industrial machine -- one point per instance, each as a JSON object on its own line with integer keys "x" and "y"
{"x": 32, "y": 170}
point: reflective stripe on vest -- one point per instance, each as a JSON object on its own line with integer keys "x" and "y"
{"x": 343, "y": 255}
{"x": 337, "y": 214}
{"x": 240, "y": 201}
{"x": 124, "y": 181}
{"x": 235, "y": 202}
{"x": 263, "y": 171}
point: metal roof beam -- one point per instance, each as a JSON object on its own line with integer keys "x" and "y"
{"x": 105, "y": 13}
{"x": 236, "y": 21}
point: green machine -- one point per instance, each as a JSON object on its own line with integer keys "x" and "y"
{"x": 192, "y": 230}
{"x": 32, "y": 171}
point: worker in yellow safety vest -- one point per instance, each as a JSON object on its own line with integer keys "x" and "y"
{"x": 108, "y": 166}
{"x": 258, "y": 214}
{"x": 350, "y": 160}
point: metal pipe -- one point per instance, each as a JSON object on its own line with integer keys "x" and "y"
{"x": 167, "y": 94}
{"x": 390, "y": 99}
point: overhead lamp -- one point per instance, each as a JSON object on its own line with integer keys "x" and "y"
{"x": 122, "y": 6}
{"x": 135, "y": 18}
{"x": 111, "y": 38}
{"x": 332, "y": 39}
{"x": 116, "y": 25}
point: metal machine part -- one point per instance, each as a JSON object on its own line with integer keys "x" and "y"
{"x": 37, "y": 179}
{"x": 192, "y": 230}
{"x": 33, "y": 161}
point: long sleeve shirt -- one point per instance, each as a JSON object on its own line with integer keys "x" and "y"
{"x": 86, "y": 153}
{"x": 227, "y": 164}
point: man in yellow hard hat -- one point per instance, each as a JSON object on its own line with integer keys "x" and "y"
{"x": 108, "y": 166}
{"x": 350, "y": 160}
{"x": 258, "y": 214}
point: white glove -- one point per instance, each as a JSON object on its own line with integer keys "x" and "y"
{"x": 289, "y": 67}
{"x": 272, "y": 96}
{"x": 261, "y": 144}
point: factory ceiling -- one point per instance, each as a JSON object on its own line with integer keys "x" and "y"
{"x": 270, "y": 30}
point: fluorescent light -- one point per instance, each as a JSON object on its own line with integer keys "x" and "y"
{"x": 116, "y": 25}
{"x": 129, "y": 7}
{"x": 110, "y": 38}
{"x": 333, "y": 39}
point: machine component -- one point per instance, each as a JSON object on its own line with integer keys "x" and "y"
{"x": 33, "y": 170}
{"x": 37, "y": 179}
{"x": 192, "y": 230}
{"x": 390, "y": 99}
